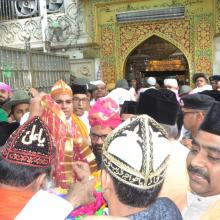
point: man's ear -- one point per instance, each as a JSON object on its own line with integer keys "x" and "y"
{"x": 200, "y": 116}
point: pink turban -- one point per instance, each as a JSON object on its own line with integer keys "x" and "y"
{"x": 5, "y": 87}
{"x": 105, "y": 112}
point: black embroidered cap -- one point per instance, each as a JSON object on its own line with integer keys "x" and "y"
{"x": 30, "y": 145}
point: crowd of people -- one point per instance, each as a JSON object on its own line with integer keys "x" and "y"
{"x": 91, "y": 148}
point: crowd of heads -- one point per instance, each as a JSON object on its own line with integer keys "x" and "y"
{"x": 129, "y": 137}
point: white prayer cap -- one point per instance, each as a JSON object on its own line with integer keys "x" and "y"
{"x": 97, "y": 82}
{"x": 151, "y": 81}
{"x": 136, "y": 152}
{"x": 170, "y": 82}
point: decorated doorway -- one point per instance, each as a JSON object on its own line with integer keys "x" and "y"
{"x": 159, "y": 58}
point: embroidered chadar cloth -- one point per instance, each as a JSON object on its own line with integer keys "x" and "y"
{"x": 72, "y": 144}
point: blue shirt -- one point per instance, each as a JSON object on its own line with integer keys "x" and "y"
{"x": 161, "y": 209}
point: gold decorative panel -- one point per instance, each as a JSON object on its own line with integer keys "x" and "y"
{"x": 203, "y": 43}
{"x": 176, "y": 32}
{"x": 193, "y": 35}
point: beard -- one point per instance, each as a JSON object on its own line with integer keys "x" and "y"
{"x": 98, "y": 155}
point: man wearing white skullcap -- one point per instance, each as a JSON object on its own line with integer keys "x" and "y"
{"x": 131, "y": 183}
{"x": 172, "y": 85}
{"x": 99, "y": 92}
{"x": 150, "y": 84}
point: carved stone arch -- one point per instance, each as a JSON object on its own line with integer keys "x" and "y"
{"x": 162, "y": 36}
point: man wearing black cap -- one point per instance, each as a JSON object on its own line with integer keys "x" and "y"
{"x": 162, "y": 105}
{"x": 194, "y": 108}
{"x": 203, "y": 164}
{"x": 81, "y": 103}
{"x": 214, "y": 80}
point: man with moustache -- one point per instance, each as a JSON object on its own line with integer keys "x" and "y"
{"x": 203, "y": 164}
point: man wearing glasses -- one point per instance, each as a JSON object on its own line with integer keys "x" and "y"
{"x": 104, "y": 116}
{"x": 194, "y": 108}
{"x": 81, "y": 103}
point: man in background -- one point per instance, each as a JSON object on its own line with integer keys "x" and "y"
{"x": 104, "y": 116}
{"x": 99, "y": 92}
{"x": 80, "y": 103}
{"x": 194, "y": 108}
{"x": 201, "y": 83}
{"x": 18, "y": 105}
{"x": 5, "y": 93}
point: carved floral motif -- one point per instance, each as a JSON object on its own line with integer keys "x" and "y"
{"x": 133, "y": 34}
{"x": 16, "y": 32}
{"x": 108, "y": 72}
{"x": 203, "y": 52}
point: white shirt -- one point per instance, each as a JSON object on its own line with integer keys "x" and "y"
{"x": 197, "y": 205}
{"x": 84, "y": 118}
{"x": 45, "y": 205}
{"x": 200, "y": 89}
{"x": 133, "y": 94}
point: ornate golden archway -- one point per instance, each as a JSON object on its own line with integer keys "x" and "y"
{"x": 174, "y": 31}
{"x": 160, "y": 57}
{"x": 186, "y": 54}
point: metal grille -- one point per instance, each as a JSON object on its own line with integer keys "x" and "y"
{"x": 7, "y": 10}
{"x": 22, "y": 69}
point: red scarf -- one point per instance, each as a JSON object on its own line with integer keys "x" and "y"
{"x": 70, "y": 142}
{"x": 12, "y": 202}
